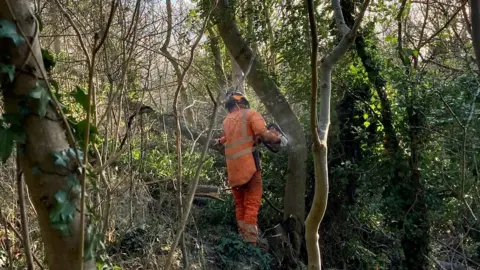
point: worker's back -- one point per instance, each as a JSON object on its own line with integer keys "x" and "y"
{"x": 238, "y": 128}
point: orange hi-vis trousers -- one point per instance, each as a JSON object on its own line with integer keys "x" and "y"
{"x": 247, "y": 199}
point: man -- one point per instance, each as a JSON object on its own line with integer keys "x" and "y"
{"x": 243, "y": 129}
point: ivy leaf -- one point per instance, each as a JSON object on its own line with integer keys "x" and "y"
{"x": 40, "y": 93}
{"x": 6, "y": 143}
{"x": 72, "y": 153}
{"x": 81, "y": 97}
{"x": 9, "y": 70}
{"x": 82, "y": 129}
{"x": 9, "y": 30}
{"x": 92, "y": 241}
{"x": 61, "y": 159}
{"x": 48, "y": 60}
{"x": 62, "y": 213}
{"x": 73, "y": 184}
{"x": 61, "y": 196}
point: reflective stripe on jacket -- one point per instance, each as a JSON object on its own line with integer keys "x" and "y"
{"x": 240, "y": 127}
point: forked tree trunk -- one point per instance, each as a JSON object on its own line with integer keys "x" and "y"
{"x": 44, "y": 136}
{"x": 320, "y": 125}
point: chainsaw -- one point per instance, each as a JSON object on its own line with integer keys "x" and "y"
{"x": 276, "y": 147}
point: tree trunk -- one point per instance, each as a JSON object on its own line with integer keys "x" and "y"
{"x": 218, "y": 66}
{"x": 276, "y": 104}
{"x": 475, "y": 15}
{"x": 44, "y": 136}
{"x": 238, "y": 82}
{"x": 320, "y": 126}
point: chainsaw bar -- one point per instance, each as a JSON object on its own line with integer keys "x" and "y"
{"x": 273, "y": 147}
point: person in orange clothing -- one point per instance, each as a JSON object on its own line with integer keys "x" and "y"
{"x": 243, "y": 130}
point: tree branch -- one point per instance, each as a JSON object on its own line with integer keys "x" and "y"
{"x": 320, "y": 158}
{"x": 193, "y": 187}
{"x": 339, "y": 20}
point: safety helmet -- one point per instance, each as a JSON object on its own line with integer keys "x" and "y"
{"x": 234, "y": 98}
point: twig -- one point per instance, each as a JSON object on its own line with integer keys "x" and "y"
{"x": 7, "y": 242}
{"x": 445, "y": 25}
{"x": 178, "y": 128}
{"x": 23, "y": 216}
{"x": 77, "y": 31}
{"x": 464, "y": 150}
{"x": 17, "y": 233}
{"x": 272, "y": 205}
{"x": 193, "y": 187}
{"x": 91, "y": 73}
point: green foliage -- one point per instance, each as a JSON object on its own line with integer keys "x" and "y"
{"x": 62, "y": 213}
{"x": 61, "y": 158}
{"x": 11, "y": 131}
{"x": 218, "y": 212}
{"x": 81, "y": 130}
{"x": 6, "y": 143}
{"x": 232, "y": 250}
{"x": 64, "y": 208}
{"x": 8, "y": 30}
{"x": 107, "y": 266}
{"x": 41, "y": 94}
{"x": 93, "y": 242}
{"x": 80, "y": 97}
{"x": 39, "y": 21}
{"x": 48, "y": 60}
{"x": 9, "y": 70}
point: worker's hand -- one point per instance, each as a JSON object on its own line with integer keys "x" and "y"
{"x": 274, "y": 131}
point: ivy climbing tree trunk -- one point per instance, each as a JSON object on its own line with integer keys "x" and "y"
{"x": 320, "y": 126}
{"x": 38, "y": 130}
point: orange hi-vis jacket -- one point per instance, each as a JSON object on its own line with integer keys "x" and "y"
{"x": 241, "y": 129}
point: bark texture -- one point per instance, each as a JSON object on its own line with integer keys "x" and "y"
{"x": 320, "y": 125}
{"x": 475, "y": 15}
{"x": 44, "y": 135}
